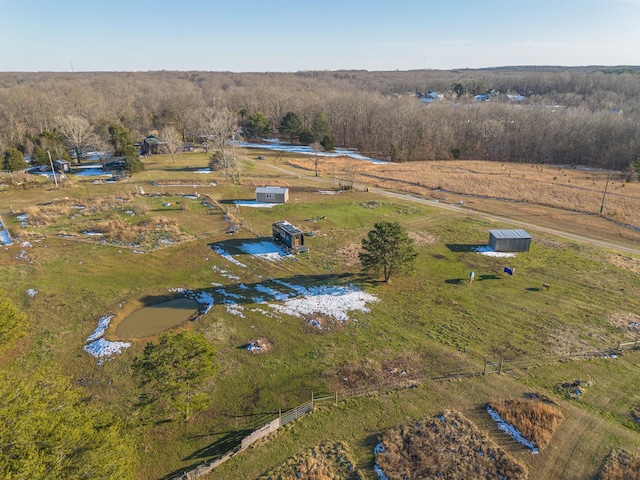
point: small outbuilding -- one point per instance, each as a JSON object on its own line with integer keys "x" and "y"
{"x": 289, "y": 236}
{"x": 509, "y": 240}
{"x": 61, "y": 166}
{"x": 272, "y": 194}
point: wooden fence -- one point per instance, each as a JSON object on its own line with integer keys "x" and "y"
{"x": 496, "y": 367}
{"x": 533, "y": 361}
{"x": 272, "y": 426}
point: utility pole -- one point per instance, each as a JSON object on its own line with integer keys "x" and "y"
{"x": 605, "y": 193}
{"x": 52, "y": 169}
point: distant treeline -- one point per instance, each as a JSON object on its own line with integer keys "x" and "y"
{"x": 586, "y": 115}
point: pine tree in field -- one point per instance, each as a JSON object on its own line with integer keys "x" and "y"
{"x": 14, "y": 160}
{"x": 388, "y": 250}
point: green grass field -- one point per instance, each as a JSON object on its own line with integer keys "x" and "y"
{"x": 431, "y": 325}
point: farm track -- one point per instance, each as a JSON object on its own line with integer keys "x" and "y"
{"x": 465, "y": 210}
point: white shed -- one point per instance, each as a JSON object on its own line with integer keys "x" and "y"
{"x": 272, "y": 194}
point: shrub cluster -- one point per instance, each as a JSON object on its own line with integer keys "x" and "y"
{"x": 620, "y": 465}
{"x": 323, "y": 462}
{"x": 446, "y": 446}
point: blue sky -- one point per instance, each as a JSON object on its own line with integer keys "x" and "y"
{"x": 290, "y": 35}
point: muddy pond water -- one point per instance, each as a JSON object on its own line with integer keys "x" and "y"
{"x": 157, "y": 318}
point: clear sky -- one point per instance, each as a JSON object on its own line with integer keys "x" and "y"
{"x": 295, "y": 35}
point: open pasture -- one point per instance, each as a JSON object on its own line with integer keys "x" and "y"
{"x": 390, "y": 358}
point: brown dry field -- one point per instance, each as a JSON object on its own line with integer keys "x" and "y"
{"x": 565, "y": 198}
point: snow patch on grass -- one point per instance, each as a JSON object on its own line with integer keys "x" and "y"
{"x": 490, "y": 252}
{"x": 379, "y": 450}
{"x": 266, "y": 250}
{"x": 515, "y": 434}
{"x": 224, "y": 254}
{"x": 254, "y": 204}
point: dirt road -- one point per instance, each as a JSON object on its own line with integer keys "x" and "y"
{"x": 622, "y": 246}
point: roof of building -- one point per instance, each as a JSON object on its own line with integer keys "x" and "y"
{"x": 287, "y": 227}
{"x": 153, "y": 140}
{"x": 271, "y": 190}
{"x": 518, "y": 233}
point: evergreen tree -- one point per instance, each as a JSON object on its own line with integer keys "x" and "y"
{"x": 327, "y": 143}
{"x": 306, "y": 137}
{"x": 14, "y": 160}
{"x": 259, "y": 125}
{"x": 172, "y": 371}
{"x": 388, "y": 249}
{"x": 133, "y": 165}
{"x": 290, "y": 125}
{"x": 49, "y": 431}
{"x": 122, "y": 141}
{"x": 39, "y": 156}
{"x": 320, "y": 126}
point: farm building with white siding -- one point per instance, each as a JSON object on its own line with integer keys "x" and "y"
{"x": 272, "y": 194}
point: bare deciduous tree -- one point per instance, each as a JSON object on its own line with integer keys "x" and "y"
{"x": 78, "y": 134}
{"x": 173, "y": 141}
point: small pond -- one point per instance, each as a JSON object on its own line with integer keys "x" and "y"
{"x": 157, "y": 318}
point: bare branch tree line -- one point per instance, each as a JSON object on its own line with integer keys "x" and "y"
{"x": 567, "y": 116}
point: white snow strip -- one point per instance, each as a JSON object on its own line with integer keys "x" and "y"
{"x": 299, "y": 289}
{"x": 24, "y": 219}
{"x": 5, "y": 239}
{"x": 224, "y": 293}
{"x": 254, "y": 204}
{"x": 281, "y": 297}
{"x": 205, "y": 299}
{"x": 328, "y": 192}
{"x": 228, "y": 256}
{"x": 490, "y": 252}
{"x": 103, "y": 324}
{"x": 379, "y": 450}
{"x": 92, "y": 172}
{"x": 274, "y": 144}
{"x": 505, "y": 427}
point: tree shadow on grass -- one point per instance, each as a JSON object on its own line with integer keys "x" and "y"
{"x": 464, "y": 247}
{"x": 487, "y": 277}
{"x": 370, "y": 442}
{"x": 228, "y": 441}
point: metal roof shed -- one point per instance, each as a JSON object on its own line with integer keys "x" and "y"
{"x": 272, "y": 194}
{"x": 509, "y": 240}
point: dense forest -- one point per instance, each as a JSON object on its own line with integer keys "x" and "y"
{"x": 578, "y": 115}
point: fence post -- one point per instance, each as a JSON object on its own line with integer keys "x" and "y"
{"x": 619, "y": 343}
{"x": 312, "y": 400}
{"x": 635, "y": 345}
{"x": 336, "y": 398}
{"x": 500, "y": 367}
{"x": 280, "y": 414}
{"x": 484, "y": 371}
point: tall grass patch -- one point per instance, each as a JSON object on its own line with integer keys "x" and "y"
{"x": 446, "y": 446}
{"x": 620, "y": 465}
{"x": 534, "y": 419}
